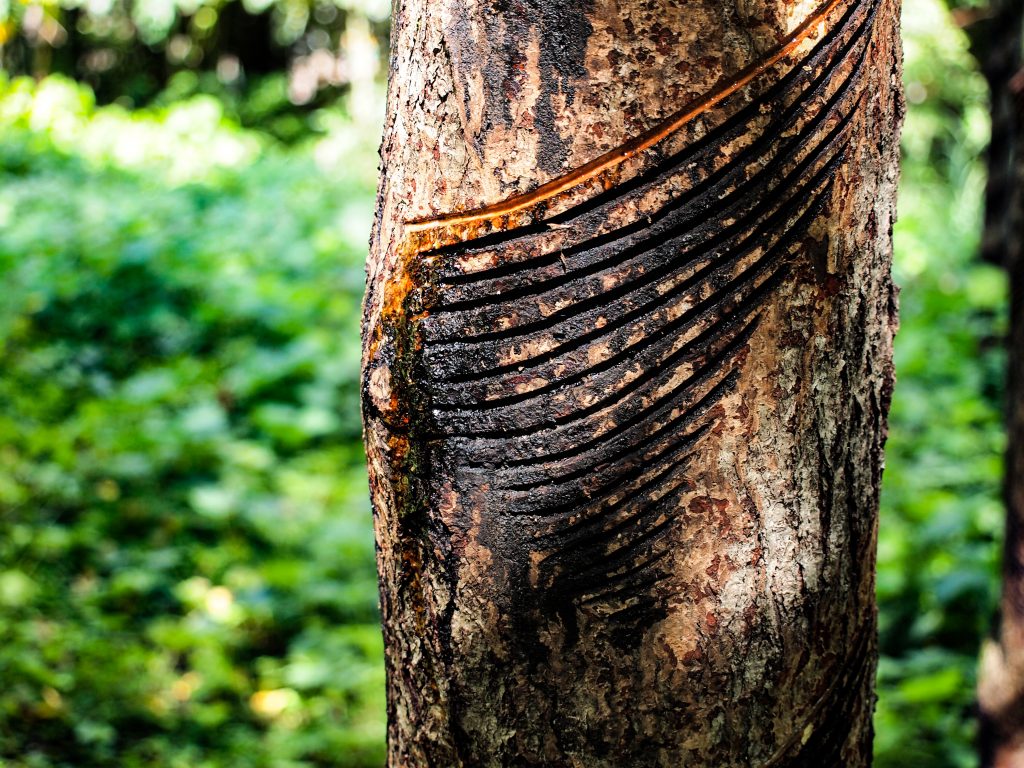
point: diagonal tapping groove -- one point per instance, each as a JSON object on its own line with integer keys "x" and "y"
{"x": 572, "y": 350}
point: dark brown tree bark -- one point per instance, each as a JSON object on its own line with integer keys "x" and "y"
{"x": 627, "y": 363}
{"x": 998, "y": 43}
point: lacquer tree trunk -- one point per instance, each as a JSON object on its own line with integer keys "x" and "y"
{"x": 627, "y": 363}
{"x": 998, "y": 43}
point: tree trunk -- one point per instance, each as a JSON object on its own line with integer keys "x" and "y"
{"x": 627, "y": 363}
{"x": 1001, "y": 683}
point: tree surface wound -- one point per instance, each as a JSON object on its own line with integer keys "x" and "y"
{"x": 625, "y": 428}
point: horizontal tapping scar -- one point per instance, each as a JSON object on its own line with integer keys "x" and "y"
{"x": 617, "y": 156}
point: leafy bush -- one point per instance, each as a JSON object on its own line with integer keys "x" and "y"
{"x": 188, "y": 574}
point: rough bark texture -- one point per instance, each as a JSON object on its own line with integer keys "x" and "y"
{"x": 1001, "y": 684}
{"x": 627, "y": 366}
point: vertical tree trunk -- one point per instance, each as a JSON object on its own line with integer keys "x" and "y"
{"x": 1001, "y": 684}
{"x": 627, "y": 344}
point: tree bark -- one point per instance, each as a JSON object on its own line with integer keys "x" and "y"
{"x": 998, "y": 44}
{"x": 627, "y": 364}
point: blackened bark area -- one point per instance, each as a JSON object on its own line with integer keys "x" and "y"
{"x": 562, "y": 27}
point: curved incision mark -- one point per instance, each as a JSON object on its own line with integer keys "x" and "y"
{"x": 569, "y": 349}
{"x": 711, "y": 253}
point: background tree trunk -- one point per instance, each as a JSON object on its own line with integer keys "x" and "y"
{"x": 998, "y": 43}
{"x": 627, "y": 364}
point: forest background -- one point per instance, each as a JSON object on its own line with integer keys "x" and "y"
{"x": 186, "y": 548}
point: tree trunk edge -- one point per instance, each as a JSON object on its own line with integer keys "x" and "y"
{"x": 419, "y": 553}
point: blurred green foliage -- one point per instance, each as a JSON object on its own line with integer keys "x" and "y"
{"x": 938, "y": 578}
{"x": 186, "y": 555}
